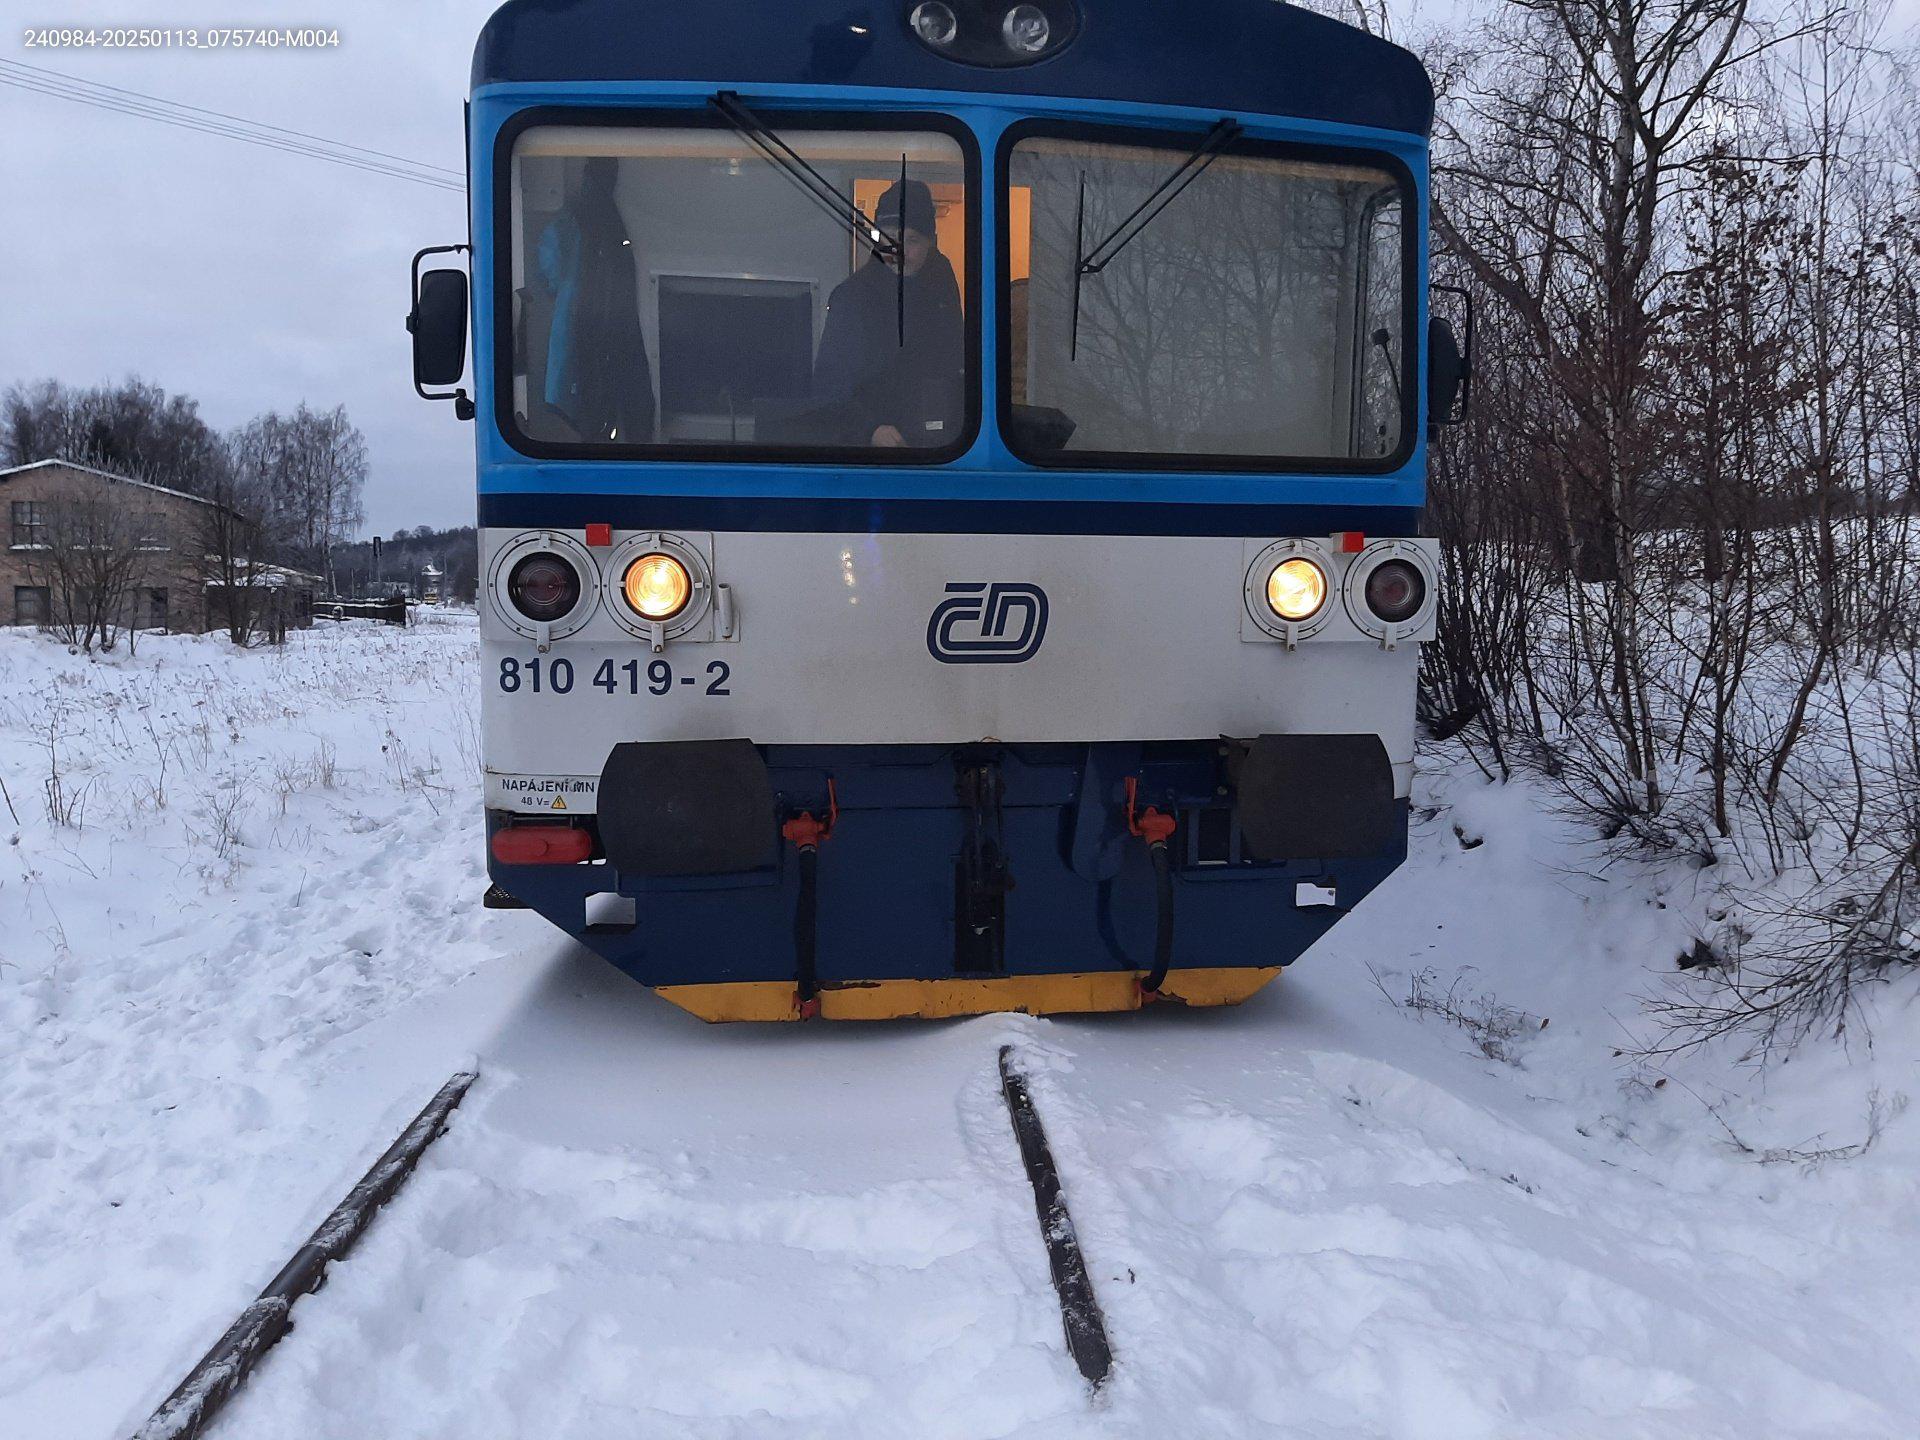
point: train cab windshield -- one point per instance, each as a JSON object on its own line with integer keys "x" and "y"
{"x": 1258, "y": 319}
{"x": 704, "y": 287}
{"x": 674, "y": 291}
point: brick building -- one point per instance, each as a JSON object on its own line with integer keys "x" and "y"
{"x": 168, "y": 590}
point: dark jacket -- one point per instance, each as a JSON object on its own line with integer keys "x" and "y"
{"x": 863, "y": 377}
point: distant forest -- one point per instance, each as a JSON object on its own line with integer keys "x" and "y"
{"x": 293, "y": 481}
{"x": 403, "y": 555}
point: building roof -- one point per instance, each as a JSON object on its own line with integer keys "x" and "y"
{"x": 1250, "y": 56}
{"x": 10, "y": 472}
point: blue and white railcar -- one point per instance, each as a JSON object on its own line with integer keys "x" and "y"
{"x": 950, "y": 482}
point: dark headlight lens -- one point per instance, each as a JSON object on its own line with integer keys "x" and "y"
{"x": 544, "y": 587}
{"x": 1395, "y": 591}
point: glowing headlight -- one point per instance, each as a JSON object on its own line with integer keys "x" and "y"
{"x": 657, "y": 586}
{"x": 1026, "y": 29}
{"x": 1296, "y": 589}
{"x": 934, "y": 22}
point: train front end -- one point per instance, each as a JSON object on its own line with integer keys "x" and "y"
{"x": 950, "y": 482}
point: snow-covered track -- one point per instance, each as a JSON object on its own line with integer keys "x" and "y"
{"x": 223, "y": 1369}
{"x": 1079, "y": 1307}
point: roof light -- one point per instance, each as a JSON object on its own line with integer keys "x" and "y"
{"x": 1026, "y": 29}
{"x": 934, "y": 22}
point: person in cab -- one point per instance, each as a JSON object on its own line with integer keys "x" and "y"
{"x": 598, "y": 384}
{"x": 889, "y": 367}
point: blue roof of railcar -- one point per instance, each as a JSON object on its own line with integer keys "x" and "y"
{"x": 1258, "y": 56}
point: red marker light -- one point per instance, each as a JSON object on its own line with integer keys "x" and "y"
{"x": 1352, "y": 542}
{"x": 541, "y": 845}
{"x": 600, "y": 535}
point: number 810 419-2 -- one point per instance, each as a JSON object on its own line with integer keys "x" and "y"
{"x": 656, "y": 677}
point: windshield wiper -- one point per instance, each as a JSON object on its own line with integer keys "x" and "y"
{"x": 757, "y": 133}
{"x": 889, "y": 249}
{"x": 900, "y": 252}
{"x": 1092, "y": 262}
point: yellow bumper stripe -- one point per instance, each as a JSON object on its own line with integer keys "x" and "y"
{"x": 936, "y": 999}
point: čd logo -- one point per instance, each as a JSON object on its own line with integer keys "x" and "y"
{"x": 998, "y": 624}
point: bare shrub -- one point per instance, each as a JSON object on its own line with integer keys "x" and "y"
{"x": 1815, "y": 1150}
{"x": 1683, "y": 525}
{"x": 323, "y": 766}
{"x": 90, "y": 555}
{"x": 288, "y": 780}
{"x": 1496, "y": 1030}
{"x": 410, "y": 774}
{"x": 222, "y": 814}
{"x": 66, "y": 802}
{"x": 198, "y": 738}
{"x": 162, "y": 753}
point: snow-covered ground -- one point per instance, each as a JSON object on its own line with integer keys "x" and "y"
{"x": 250, "y": 946}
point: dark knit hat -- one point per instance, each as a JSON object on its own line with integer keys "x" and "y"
{"x": 919, "y": 207}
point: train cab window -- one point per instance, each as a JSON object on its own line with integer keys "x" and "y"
{"x": 1258, "y": 320}
{"x": 673, "y": 293}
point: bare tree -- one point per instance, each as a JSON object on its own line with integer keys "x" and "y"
{"x": 133, "y": 428}
{"x": 308, "y": 470}
{"x": 1559, "y": 176}
{"x": 1681, "y": 526}
{"x": 91, "y": 556}
{"x": 237, "y": 533}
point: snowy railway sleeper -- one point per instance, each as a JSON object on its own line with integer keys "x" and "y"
{"x": 1011, "y": 470}
{"x": 197, "y": 1401}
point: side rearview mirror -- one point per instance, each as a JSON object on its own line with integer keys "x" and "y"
{"x": 438, "y": 324}
{"x": 1445, "y": 373}
{"x": 1449, "y": 364}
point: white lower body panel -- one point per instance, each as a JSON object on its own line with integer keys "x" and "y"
{"x": 897, "y": 639}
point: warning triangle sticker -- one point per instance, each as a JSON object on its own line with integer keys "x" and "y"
{"x": 559, "y": 803}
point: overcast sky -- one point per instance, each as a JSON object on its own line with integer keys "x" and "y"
{"x": 245, "y": 277}
{"x": 248, "y": 278}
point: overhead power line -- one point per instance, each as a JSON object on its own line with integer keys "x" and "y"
{"x": 269, "y": 137}
{"x": 38, "y": 80}
{"x": 222, "y": 115}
